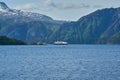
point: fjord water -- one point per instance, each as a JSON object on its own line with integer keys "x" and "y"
{"x": 64, "y": 62}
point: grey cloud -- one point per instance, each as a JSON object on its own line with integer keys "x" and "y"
{"x": 97, "y": 6}
{"x": 27, "y": 6}
{"x": 51, "y": 4}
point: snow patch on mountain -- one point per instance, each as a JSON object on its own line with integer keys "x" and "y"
{"x": 6, "y": 11}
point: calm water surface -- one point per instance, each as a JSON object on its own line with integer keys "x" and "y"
{"x": 52, "y": 62}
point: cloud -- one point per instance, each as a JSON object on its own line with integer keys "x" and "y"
{"x": 73, "y": 6}
{"x": 27, "y": 6}
{"x": 97, "y": 6}
{"x": 50, "y": 4}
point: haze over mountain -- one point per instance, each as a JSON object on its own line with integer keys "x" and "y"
{"x": 101, "y": 26}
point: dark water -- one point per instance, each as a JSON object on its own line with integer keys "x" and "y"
{"x": 52, "y": 62}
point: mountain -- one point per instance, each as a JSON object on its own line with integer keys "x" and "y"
{"x": 4, "y": 7}
{"x": 26, "y": 26}
{"x": 5, "y": 11}
{"x": 8, "y": 41}
{"x": 99, "y": 27}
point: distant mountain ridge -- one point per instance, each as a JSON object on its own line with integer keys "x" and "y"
{"x": 99, "y": 27}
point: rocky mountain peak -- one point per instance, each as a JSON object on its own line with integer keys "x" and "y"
{"x": 4, "y": 7}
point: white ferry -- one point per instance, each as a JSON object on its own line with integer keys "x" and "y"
{"x": 60, "y": 43}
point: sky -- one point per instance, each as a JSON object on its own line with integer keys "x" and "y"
{"x": 70, "y": 10}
